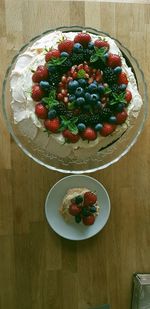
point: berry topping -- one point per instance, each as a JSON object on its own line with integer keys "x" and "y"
{"x": 101, "y": 43}
{"x": 37, "y": 93}
{"x": 74, "y": 210}
{"x": 122, "y": 78}
{"x": 81, "y": 89}
{"x": 90, "y": 198}
{"x": 70, "y": 137}
{"x": 41, "y": 73}
{"x": 121, "y": 117}
{"x": 55, "y": 53}
{"x": 66, "y": 46}
{"x": 41, "y": 111}
{"x": 113, "y": 60}
{"x": 52, "y": 124}
{"x": 107, "y": 129}
{"x": 89, "y": 134}
{"x": 82, "y": 38}
{"x": 88, "y": 220}
{"x": 128, "y": 96}
{"x": 78, "y": 199}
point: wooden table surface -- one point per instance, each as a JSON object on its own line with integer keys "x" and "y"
{"x": 38, "y": 269}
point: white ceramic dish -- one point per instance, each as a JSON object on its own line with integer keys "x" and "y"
{"x": 74, "y": 231}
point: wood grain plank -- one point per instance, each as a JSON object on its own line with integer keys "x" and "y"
{"x": 39, "y": 269}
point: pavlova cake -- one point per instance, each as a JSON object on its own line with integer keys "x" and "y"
{"x": 73, "y": 93}
{"x": 80, "y": 205}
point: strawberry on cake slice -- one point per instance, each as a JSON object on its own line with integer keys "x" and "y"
{"x": 80, "y": 205}
{"x": 82, "y": 93}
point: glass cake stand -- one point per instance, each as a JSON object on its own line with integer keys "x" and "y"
{"x": 103, "y": 158}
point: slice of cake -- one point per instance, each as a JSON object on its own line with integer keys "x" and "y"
{"x": 73, "y": 93}
{"x": 80, "y": 204}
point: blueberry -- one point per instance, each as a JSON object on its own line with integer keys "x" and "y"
{"x": 100, "y": 89}
{"x": 112, "y": 119}
{"x": 92, "y": 88}
{"x": 91, "y": 45}
{"x": 123, "y": 87}
{"x": 94, "y": 98}
{"x": 117, "y": 70}
{"x": 82, "y": 82}
{"x": 98, "y": 126}
{"x": 44, "y": 85}
{"x": 52, "y": 114}
{"x": 79, "y": 199}
{"x": 77, "y": 48}
{"x": 64, "y": 54}
{"x": 80, "y": 101}
{"x": 106, "y": 55}
{"x": 87, "y": 96}
{"x": 72, "y": 98}
{"x": 81, "y": 127}
{"x": 98, "y": 104}
{"x": 72, "y": 85}
{"x": 77, "y": 218}
{"x": 120, "y": 107}
{"x": 79, "y": 92}
{"x": 93, "y": 209}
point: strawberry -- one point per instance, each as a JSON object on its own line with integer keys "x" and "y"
{"x": 55, "y": 53}
{"x": 52, "y": 124}
{"x": 82, "y": 38}
{"x": 113, "y": 60}
{"x": 41, "y": 73}
{"x": 107, "y": 129}
{"x": 89, "y": 198}
{"x": 128, "y": 96}
{"x": 70, "y": 137}
{"x": 41, "y": 111}
{"x": 66, "y": 45}
{"x": 89, "y": 134}
{"x": 121, "y": 117}
{"x": 88, "y": 220}
{"x": 122, "y": 78}
{"x": 100, "y": 43}
{"x": 74, "y": 209}
{"x": 37, "y": 93}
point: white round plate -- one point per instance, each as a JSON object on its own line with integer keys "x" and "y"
{"x": 74, "y": 231}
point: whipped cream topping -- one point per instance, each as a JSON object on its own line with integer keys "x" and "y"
{"x": 24, "y": 107}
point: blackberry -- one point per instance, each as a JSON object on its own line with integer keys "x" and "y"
{"x": 115, "y": 88}
{"x": 54, "y": 79}
{"x": 65, "y": 66}
{"x": 69, "y": 115}
{"x": 106, "y": 113}
{"x": 94, "y": 119}
{"x": 83, "y": 118}
{"x": 99, "y": 64}
{"x": 77, "y": 58}
{"x": 87, "y": 54}
{"x": 61, "y": 109}
{"x": 109, "y": 76}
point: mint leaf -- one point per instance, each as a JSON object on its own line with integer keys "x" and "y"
{"x": 81, "y": 74}
{"x": 56, "y": 61}
{"x": 117, "y": 98}
{"x": 94, "y": 58}
{"x": 50, "y": 101}
{"x": 73, "y": 128}
{"x": 99, "y": 54}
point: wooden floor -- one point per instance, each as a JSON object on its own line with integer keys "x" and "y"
{"x": 38, "y": 269}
